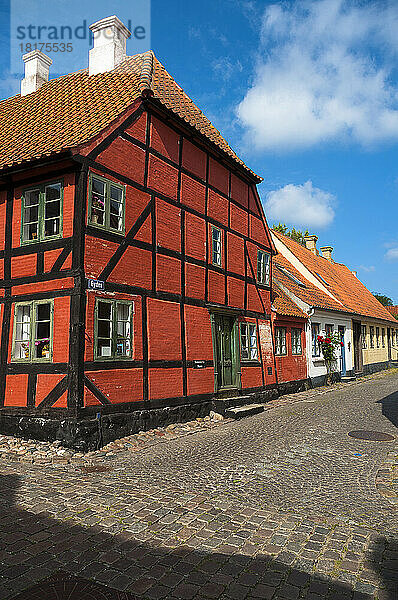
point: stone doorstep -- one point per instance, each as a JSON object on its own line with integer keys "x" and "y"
{"x": 244, "y": 411}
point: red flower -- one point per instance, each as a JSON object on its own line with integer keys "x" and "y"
{"x": 328, "y": 341}
{"x": 341, "y": 344}
{"x": 320, "y": 338}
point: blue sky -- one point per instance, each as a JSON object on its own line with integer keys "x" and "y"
{"x": 306, "y": 92}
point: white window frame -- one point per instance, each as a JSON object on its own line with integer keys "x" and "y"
{"x": 248, "y": 342}
{"x": 296, "y": 340}
{"x": 216, "y": 246}
{"x": 315, "y": 331}
{"x": 263, "y": 267}
{"x": 280, "y": 341}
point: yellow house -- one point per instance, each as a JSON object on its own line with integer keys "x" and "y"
{"x": 379, "y": 344}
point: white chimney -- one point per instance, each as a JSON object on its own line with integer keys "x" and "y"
{"x": 110, "y": 37}
{"x": 354, "y": 273}
{"x": 310, "y": 243}
{"x": 37, "y": 68}
{"x": 327, "y": 252}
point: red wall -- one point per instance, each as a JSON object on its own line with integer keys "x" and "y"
{"x": 226, "y": 197}
{"x": 291, "y": 367}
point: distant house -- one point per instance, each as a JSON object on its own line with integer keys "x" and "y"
{"x": 393, "y": 310}
{"x": 136, "y": 258}
{"x": 336, "y": 302}
{"x": 290, "y": 325}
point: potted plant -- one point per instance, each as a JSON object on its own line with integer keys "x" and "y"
{"x": 328, "y": 347}
{"x": 43, "y": 348}
{"x": 25, "y": 346}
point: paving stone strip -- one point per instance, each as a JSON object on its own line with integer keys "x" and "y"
{"x": 387, "y": 477}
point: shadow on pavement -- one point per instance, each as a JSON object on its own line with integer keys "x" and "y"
{"x": 34, "y": 547}
{"x": 389, "y": 407}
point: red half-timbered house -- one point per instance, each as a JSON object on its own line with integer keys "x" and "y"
{"x": 135, "y": 258}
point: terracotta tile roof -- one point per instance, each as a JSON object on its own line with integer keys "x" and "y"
{"x": 73, "y": 109}
{"x": 340, "y": 281}
{"x": 307, "y": 292}
{"x": 283, "y": 305}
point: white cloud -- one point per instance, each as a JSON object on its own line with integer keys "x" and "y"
{"x": 392, "y": 254}
{"x": 301, "y": 205}
{"x": 324, "y": 73}
{"x": 369, "y": 269}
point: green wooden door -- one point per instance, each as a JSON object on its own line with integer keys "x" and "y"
{"x": 226, "y": 352}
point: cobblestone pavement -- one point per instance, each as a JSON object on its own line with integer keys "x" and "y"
{"x": 280, "y": 505}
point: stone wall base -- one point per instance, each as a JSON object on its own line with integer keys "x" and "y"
{"x": 292, "y": 387}
{"x": 375, "y": 367}
{"x": 87, "y": 433}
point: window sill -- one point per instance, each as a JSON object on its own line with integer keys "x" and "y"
{"x": 247, "y": 361}
{"x": 27, "y": 361}
{"x": 107, "y": 229}
{"x": 38, "y": 241}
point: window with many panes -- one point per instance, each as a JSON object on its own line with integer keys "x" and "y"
{"x": 248, "y": 341}
{"x": 216, "y": 246}
{"x": 296, "y": 341}
{"x": 106, "y": 204}
{"x": 329, "y": 329}
{"x": 33, "y": 325}
{"x": 377, "y": 337}
{"x": 280, "y": 341}
{"x": 263, "y": 267}
{"x": 364, "y": 342}
{"x": 113, "y": 329}
{"x": 315, "y": 328}
{"x": 372, "y": 336}
{"x": 42, "y": 213}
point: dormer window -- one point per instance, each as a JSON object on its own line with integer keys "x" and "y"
{"x": 106, "y": 204}
{"x": 42, "y": 213}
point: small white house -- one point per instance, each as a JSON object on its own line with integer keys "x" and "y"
{"x": 324, "y": 323}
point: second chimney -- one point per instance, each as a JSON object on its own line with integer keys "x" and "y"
{"x": 37, "y": 70}
{"x": 110, "y": 37}
{"x": 310, "y": 243}
{"x": 327, "y": 252}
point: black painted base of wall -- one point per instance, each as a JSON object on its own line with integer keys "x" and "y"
{"x": 89, "y": 433}
{"x": 375, "y": 367}
{"x": 292, "y": 387}
{"x": 92, "y": 430}
{"x": 320, "y": 380}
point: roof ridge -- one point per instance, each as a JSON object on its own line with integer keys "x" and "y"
{"x": 145, "y": 83}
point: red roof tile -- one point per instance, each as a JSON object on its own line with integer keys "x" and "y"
{"x": 283, "y": 305}
{"x": 307, "y": 292}
{"x": 73, "y": 109}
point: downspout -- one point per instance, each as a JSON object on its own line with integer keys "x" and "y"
{"x": 273, "y": 351}
{"x": 310, "y": 313}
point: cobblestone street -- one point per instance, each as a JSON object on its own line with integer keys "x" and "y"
{"x": 280, "y": 505}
